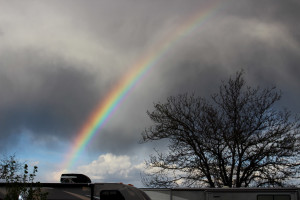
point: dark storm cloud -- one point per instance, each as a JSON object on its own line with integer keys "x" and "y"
{"x": 241, "y": 35}
{"x": 94, "y": 43}
{"x": 285, "y": 12}
{"x": 43, "y": 95}
{"x": 272, "y": 59}
{"x": 129, "y": 25}
{"x": 249, "y": 35}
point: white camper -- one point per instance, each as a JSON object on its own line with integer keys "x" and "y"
{"x": 223, "y": 193}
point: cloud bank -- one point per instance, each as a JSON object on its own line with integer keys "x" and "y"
{"x": 58, "y": 60}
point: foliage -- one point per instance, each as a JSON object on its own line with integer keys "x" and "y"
{"x": 20, "y": 183}
{"x": 237, "y": 138}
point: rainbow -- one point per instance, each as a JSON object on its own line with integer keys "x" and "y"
{"x": 115, "y": 97}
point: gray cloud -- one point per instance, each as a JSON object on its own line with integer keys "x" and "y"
{"x": 58, "y": 59}
{"x": 43, "y": 95}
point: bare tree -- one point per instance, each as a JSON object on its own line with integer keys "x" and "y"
{"x": 237, "y": 138}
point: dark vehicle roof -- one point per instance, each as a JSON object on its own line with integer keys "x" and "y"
{"x": 74, "y": 178}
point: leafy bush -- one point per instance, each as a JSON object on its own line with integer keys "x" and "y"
{"x": 20, "y": 183}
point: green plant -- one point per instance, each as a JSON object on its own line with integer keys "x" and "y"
{"x": 20, "y": 183}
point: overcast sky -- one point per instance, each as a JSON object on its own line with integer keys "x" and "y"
{"x": 59, "y": 59}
